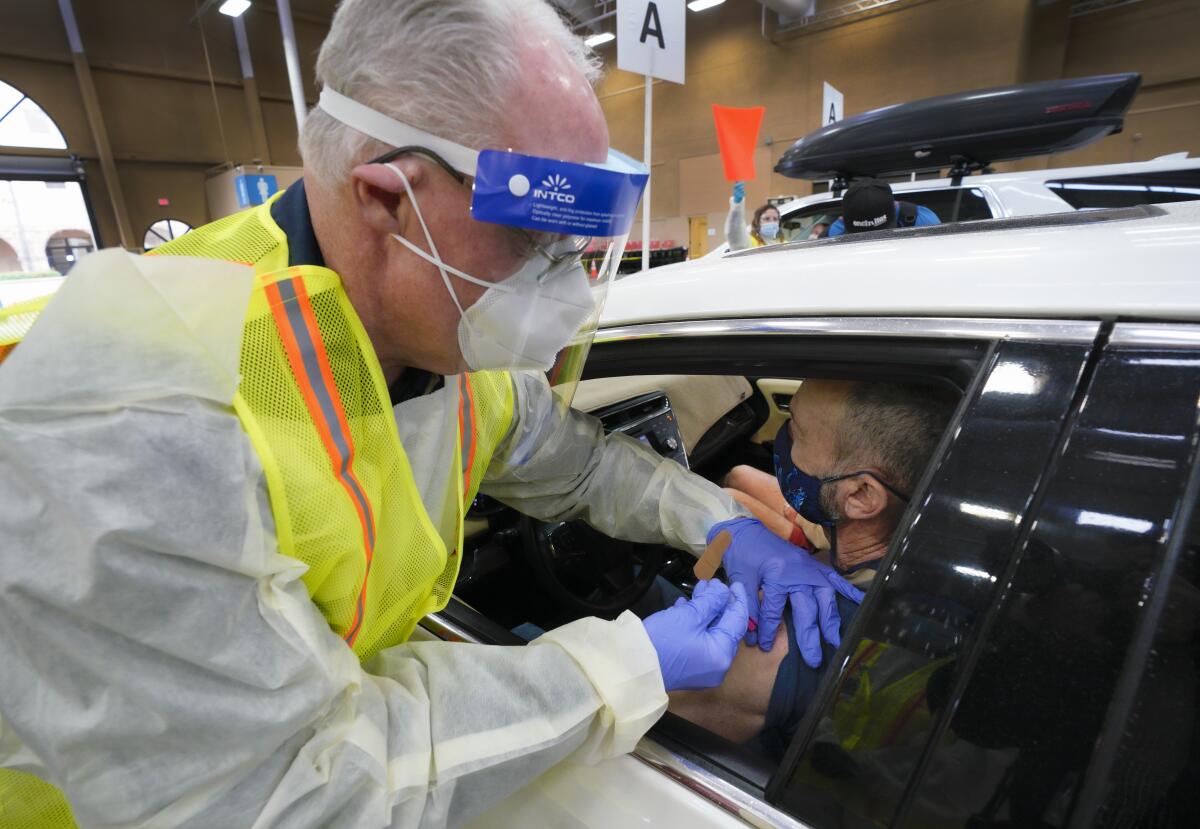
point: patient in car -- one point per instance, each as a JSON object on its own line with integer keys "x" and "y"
{"x": 868, "y": 443}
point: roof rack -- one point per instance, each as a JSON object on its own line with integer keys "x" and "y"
{"x": 964, "y": 132}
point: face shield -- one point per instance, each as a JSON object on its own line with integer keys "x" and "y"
{"x": 569, "y": 220}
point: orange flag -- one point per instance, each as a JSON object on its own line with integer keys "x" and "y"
{"x": 737, "y": 133}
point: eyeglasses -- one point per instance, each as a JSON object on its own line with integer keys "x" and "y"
{"x": 392, "y": 155}
{"x": 526, "y": 242}
{"x": 571, "y": 247}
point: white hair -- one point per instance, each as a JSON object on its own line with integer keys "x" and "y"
{"x": 444, "y": 66}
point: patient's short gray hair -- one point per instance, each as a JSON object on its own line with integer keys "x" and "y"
{"x": 444, "y": 66}
{"x": 893, "y": 427}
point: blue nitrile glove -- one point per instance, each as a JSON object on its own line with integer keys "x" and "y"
{"x": 759, "y": 559}
{"x": 739, "y": 192}
{"x": 697, "y": 638}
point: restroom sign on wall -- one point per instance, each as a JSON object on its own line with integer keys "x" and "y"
{"x": 651, "y": 38}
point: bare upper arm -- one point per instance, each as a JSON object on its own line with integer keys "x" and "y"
{"x": 737, "y": 708}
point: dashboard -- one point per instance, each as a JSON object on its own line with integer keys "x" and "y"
{"x": 698, "y": 402}
{"x": 650, "y": 419}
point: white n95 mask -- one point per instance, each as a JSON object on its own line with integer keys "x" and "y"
{"x": 521, "y": 322}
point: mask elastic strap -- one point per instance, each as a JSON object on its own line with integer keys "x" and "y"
{"x": 436, "y": 258}
{"x": 483, "y": 283}
{"x": 881, "y": 482}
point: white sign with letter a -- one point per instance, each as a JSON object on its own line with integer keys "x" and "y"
{"x": 832, "y": 106}
{"x": 650, "y": 38}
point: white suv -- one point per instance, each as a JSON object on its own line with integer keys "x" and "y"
{"x": 1040, "y": 600}
{"x": 1170, "y": 178}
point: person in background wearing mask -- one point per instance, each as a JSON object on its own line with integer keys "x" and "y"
{"x": 868, "y": 205}
{"x": 227, "y": 512}
{"x": 763, "y": 230}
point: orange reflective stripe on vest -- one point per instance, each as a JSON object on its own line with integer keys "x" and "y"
{"x": 302, "y": 341}
{"x": 466, "y": 428}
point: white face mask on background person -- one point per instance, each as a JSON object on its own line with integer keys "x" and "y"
{"x": 521, "y": 322}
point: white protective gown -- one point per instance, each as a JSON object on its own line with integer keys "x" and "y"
{"x": 160, "y": 660}
{"x": 737, "y": 233}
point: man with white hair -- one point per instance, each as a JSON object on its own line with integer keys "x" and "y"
{"x": 227, "y": 509}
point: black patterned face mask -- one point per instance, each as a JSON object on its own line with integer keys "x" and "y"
{"x": 802, "y": 491}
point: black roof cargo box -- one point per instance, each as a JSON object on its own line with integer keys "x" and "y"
{"x": 966, "y": 130}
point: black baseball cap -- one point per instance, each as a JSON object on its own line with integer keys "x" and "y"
{"x": 868, "y": 205}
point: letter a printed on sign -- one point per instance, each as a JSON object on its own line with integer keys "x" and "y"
{"x": 652, "y": 25}
{"x": 833, "y": 106}
{"x": 651, "y": 38}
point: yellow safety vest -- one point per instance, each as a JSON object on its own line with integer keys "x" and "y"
{"x": 887, "y": 704}
{"x": 314, "y": 403}
{"x": 880, "y": 704}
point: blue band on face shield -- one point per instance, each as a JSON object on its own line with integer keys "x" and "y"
{"x": 544, "y": 194}
{"x": 531, "y": 192}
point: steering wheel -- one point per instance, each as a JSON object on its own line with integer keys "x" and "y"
{"x": 587, "y": 572}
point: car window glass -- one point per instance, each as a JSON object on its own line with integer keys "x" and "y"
{"x": 1092, "y": 192}
{"x": 967, "y": 203}
{"x": 951, "y": 204}
{"x": 798, "y": 225}
{"x": 1146, "y": 770}
{"x": 1028, "y": 708}
{"x": 1156, "y": 777}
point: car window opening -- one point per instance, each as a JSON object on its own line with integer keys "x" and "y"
{"x": 557, "y": 572}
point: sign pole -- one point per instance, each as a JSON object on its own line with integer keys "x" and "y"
{"x": 651, "y": 41}
{"x": 646, "y": 159}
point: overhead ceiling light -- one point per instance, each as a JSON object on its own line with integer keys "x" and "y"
{"x": 602, "y": 38}
{"x": 701, "y": 5}
{"x": 234, "y": 8}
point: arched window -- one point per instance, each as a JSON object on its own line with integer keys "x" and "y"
{"x": 163, "y": 231}
{"x": 45, "y": 217}
{"x": 66, "y": 246}
{"x": 9, "y": 261}
{"x": 25, "y": 124}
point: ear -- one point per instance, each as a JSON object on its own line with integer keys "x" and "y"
{"x": 379, "y": 194}
{"x": 863, "y": 498}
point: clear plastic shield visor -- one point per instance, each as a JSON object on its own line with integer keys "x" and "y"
{"x": 568, "y": 209}
{"x": 601, "y": 261}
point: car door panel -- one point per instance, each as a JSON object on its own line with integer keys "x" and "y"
{"x": 778, "y": 394}
{"x": 1123, "y": 515}
{"x": 623, "y": 791}
{"x": 1041, "y": 682}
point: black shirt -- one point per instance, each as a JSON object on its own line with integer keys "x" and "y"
{"x": 290, "y": 212}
